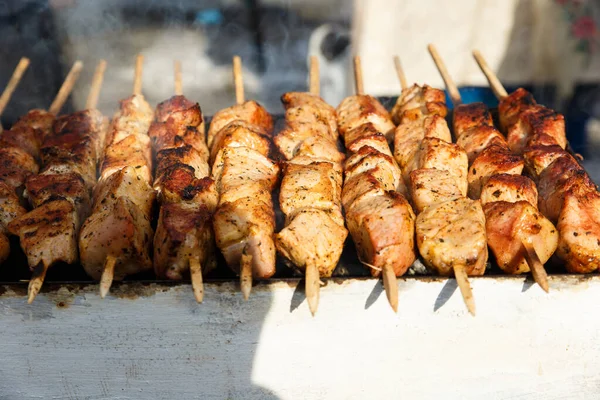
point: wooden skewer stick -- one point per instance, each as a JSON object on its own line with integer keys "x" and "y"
{"x": 238, "y": 80}
{"x": 35, "y": 283}
{"x": 358, "y": 76}
{"x": 66, "y": 88}
{"x": 196, "y": 276}
{"x": 465, "y": 287}
{"x": 441, "y": 66}
{"x": 536, "y": 266}
{"x": 13, "y": 83}
{"x": 313, "y": 287}
{"x": 313, "y": 74}
{"x": 246, "y": 274}
{"x": 178, "y": 80}
{"x": 400, "y": 72}
{"x": 107, "y": 275}
{"x": 137, "y": 78}
{"x": 493, "y": 80}
{"x": 390, "y": 282}
{"x": 94, "y": 94}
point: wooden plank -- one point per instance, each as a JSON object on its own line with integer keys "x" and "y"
{"x": 154, "y": 341}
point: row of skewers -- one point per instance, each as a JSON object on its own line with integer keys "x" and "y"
{"x": 399, "y": 185}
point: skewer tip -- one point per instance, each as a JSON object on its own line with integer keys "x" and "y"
{"x": 390, "y": 283}
{"x": 35, "y": 283}
{"x": 196, "y": 277}
{"x": 246, "y": 275}
{"x": 313, "y": 287}
{"x": 464, "y": 285}
{"x": 107, "y": 275}
{"x": 536, "y": 266}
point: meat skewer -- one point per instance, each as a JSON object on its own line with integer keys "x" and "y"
{"x": 244, "y": 223}
{"x": 310, "y": 194}
{"x": 567, "y": 195}
{"x": 13, "y": 83}
{"x": 512, "y": 227}
{"x": 115, "y": 239}
{"x": 450, "y": 228}
{"x": 184, "y": 239}
{"x": 379, "y": 218}
{"x": 58, "y": 195}
{"x": 10, "y": 203}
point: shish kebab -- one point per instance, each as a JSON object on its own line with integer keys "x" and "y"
{"x": 450, "y": 227}
{"x": 57, "y": 194}
{"x": 567, "y": 195}
{"x": 11, "y": 205}
{"x": 311, "y": 187}
{"x": 115, "y": 239}
{"x": 379, "y": 218}
{"x": 184, "y": 239}
{"x": 520, "y": 237}
{"x": 239, "y": 139}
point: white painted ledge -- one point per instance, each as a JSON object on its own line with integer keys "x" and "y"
{"x": 155, "y": 342}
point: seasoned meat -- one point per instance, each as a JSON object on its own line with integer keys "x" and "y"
{"x": 25, "y": 138}
{"x": 39, "y": 120}
{"x": 538, "y": 157}
{"x": 510, "y": 188}
{"x": 381, "y": 166}
{"x": 182, "y": 186}
{"x": 69, "y": 186}
{"x": 16, "y": 166}
{"x": 438, "y": 154}
{"x": 129, "y": 152}
{"x": 121, "y": 231}
{"x": 10, "y": 206}
{"x": 579, "y": 227}
{"x": 469, "y": 116}
{"x": 417, "y": 102}
{"x": 357, "y": 110}
{"x": 186, "y": 155}
{"x": 453, "y": 233}
{"x": 250, "y": 112}
{"x": 240, "y": 134}
{"x": 477, "y": 139}
{"x": 494, "y": 160}
{"x": 312, "y": 237}
{"x": 508, "y": 225}
{"x": 408, "y": 138}
{"x": 536, "y": 120}
{"x": 325, "y": 113}
{"x": 511, "y": 106}
{"x": 124, "y": 183}
{"x": 48, "y": 233}
{"x": 184, "y": 231}
{"x": 366, "y": 135}
{"x": 383, "y": 229}
{"x": 429, "y": 186}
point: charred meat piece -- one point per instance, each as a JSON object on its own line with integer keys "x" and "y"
{"x": 417, "y": 102}
{"x": 494, "y": 160}
{"x": 469, "y": 116}
{"x": 533, "y": 121}
{"x": 512, "y": 106}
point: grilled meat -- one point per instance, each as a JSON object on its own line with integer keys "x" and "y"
{"x": 417, "y": 102}
{"x": 509, "y": 188}
{"x": 250, "y": 112}
{"x": 357, "y": 110}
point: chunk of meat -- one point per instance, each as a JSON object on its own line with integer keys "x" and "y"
{"x": 357, "y": 110}
{"x": 10, "y": 206}
{"x": 180, "y": 155}
{"x": 381, "y": 166}
{"x": 48, "y": 233}
{"x": 366, "y": 135}
{"x": 312, "y": 237}
{"x": 492, "y": 161}
{"x": 408, "y": 138}
{"x": 509, "y": 225}
{"x": 453, "y": 234}
{"x": 124, "y": 183}
{"x": 469, "y": 116}
{"x": 510, "y": 188}
{"x": 579, "y": 228}
{"x": 317, "y": 185}
{"x": 536, "y": 120}
{"x": 558, "y": 178}
{"x": 438, "y": 154}
{"x": 246, "y": 226}
{"x": 290, "y": 139}
{"x": 133, "y": 117}
{"x": 238, "y": 165}
{"x": 69, "y": 186}
{"x": 325, "y": 113}
{"x": 73, "y": 153}
{"x": 39, "y": 120}
{"x": 129, "y": 152}
{"x": 511, "y": 106}
{"x": 383, "y": 229}
{"x": 25, "y": 138}
{"x": 417, "y": 102}
{"x": 181, "y": 185}
{"x": 182, "y": 112}
{"x": 240, "y": 134}
{"x": 250, "y": 112}
{"x": 429, "y": 186}
{"x": 183, "y": 232}
{"x": 16, "y": 166}
{"x": 169, "y": 135}
{"x": 122, "y": 231}
{"x": 477, "y": 139}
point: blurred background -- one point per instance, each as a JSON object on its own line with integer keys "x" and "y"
{"x": 549, "y": 46}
